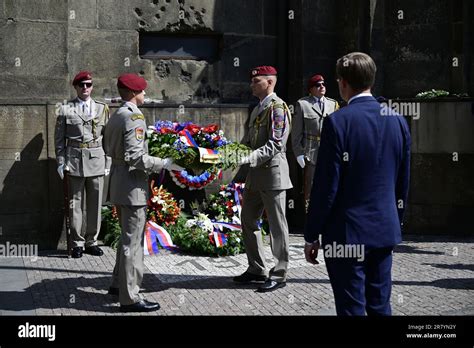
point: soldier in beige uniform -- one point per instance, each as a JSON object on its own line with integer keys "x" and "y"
{"x": 266, "y": 132}
{"x": 124, "y": 142}
{"x": 78, "y": 140}
{"x": 306, "y": 131}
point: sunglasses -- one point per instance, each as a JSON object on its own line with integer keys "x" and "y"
{"x": 320, "y": 84}
{"x": 85, "y": 84}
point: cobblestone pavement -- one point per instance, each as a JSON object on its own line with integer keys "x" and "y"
{"x": 431, "y": 276}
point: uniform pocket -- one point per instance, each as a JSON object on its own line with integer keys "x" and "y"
{"x": 96, "y": 152}
{"x": 310, "y": 115}
{"x": 74, "y": 127}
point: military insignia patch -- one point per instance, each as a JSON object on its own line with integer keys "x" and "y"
{"x": 279, "y": 124}
{"x": 139, "y": 133}
{"x": 135, "y": 117}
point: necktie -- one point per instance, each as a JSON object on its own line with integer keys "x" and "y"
{"x": 85, "y": 109}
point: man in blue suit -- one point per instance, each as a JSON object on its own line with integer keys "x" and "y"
{"x": 359, "y": 193}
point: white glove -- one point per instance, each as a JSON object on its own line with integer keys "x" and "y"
{"x": 244, "y": 160}
{"x": 61, "y": 169}
{"x": 252, "y": 159}
{"x": 107, "y": 171}
{"x": 300, "y": 160}
{"x": 168, "y": 164}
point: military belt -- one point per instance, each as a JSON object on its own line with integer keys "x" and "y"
{"x": 81, "y": 145}
{"x": 312, "y": 137}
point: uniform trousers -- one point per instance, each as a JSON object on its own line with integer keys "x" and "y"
{"x": 129, "y": 263}
{"x": 92, "y": 188}
{"x": 274, "y": 203}
{"x": 308, "y": 171}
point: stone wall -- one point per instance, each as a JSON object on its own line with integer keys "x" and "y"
{"x": 47, "y": 42}
{"x": 442, "y": 172}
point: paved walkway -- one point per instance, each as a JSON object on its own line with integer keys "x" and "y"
{"x": 431, "y": 276}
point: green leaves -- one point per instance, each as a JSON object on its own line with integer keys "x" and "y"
{"x": 112, "y": 227}
{"x": 434, "y": 93}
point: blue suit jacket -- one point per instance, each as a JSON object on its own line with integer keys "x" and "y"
{"x": 360, "y": 186}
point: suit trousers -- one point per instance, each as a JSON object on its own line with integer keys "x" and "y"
{"x": 362, "y": 287}
{"x": 129, "y": 263}
{"x": 274, "y": 203}
{"x": 92, "y": 188}
{"x": 308, "y": 171}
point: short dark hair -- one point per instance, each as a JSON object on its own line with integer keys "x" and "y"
{"x": 125, "y": 93}
{"x": 358, "y": 69}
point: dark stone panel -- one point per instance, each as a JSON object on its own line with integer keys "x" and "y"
{"x": 243, "y": 16}
{"x": 348, "y": 23}
{"x": 321, "y": 45}
{"x": 320, "y": 15}
{"x": 416, "y": 12}
{"x": 406, "y": 79}
{"x": 24, "y": 207}
{"x": 428, "y": 43}
{"x": 437, "y": 179}
{"x": 271, "y": 22}
{"x": 251, "y": 51}
{"x": 431, "y": 218}
{"x": 235, "y": 92}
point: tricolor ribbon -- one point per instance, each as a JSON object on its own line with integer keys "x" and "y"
{"x": 155, "y": 231}
{"x": 149, "y": 246}
{"x": 221, "y": 224}
{"x": 220, "y": 238}
{"x": 189, "y": 139}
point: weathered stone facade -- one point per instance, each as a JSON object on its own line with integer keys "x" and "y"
{"x": 418, "y": 45}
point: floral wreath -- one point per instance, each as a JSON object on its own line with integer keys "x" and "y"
{"x": 195, "y": 182}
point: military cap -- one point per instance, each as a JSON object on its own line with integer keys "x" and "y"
{"x": 82, "y": 76}
{"x": 132, "y": 82}
{"x": 265, "y": 70}
{"x": 313, "y": 81}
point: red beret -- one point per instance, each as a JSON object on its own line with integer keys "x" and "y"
{"x": 265, "y": 70}
{"x": 82, "y": 76}
{"x": 314, "y": 80}
{"x": 132, "y": 82}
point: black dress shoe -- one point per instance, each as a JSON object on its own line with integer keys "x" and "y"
{"x": 271, "y": 285}
{"x": 113, "y": 291}
{"x": 76, "y": 252}
{"x": 141, "y": 306}
{"x": 94, "y": 250}
{"x": 247, "y": 277}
